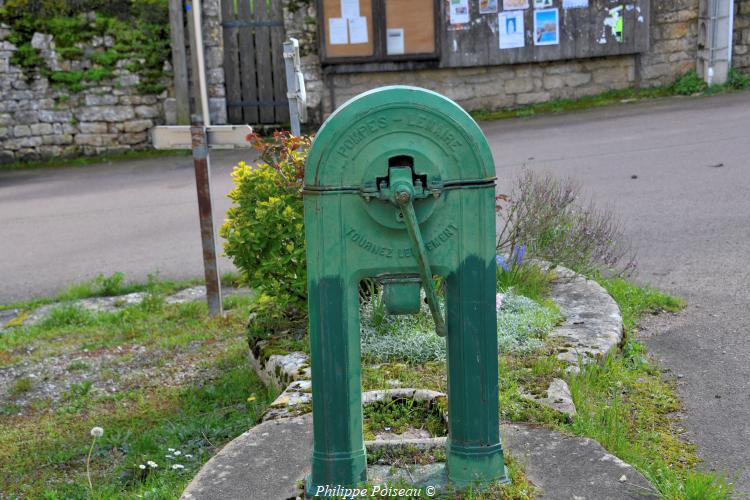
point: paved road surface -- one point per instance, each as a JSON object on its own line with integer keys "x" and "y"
{"x": 66, "y": 225}
{"x": 690, "y": 221}
{"x": 689, "y": 218}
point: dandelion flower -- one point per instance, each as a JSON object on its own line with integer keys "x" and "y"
{"x": 177, "y": 466}
{"x": 251, "y": 398}
{"x": 97, "y": 432}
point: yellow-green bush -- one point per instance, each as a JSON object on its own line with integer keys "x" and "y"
{"x": 264, "y": 228}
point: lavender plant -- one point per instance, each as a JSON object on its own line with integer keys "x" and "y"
{"x": 547, "y": 218}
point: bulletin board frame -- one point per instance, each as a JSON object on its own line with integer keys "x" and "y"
{"x": 378, "y": 36}
{"x": 582, "y": 35}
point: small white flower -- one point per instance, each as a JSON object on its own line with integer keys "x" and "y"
{"x": 97, "y": 432}
{"x": 170, "y": 449}
{"x": 177, "y": 466}
{"x": 188, "y": 455}
{"x": 152, "y": 464}
{"x": 177, "y": 453}
{"x": 141, "y": 466}
{"x": 169, "y": 457}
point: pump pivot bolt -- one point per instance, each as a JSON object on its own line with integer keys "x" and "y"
{"x": 403, "y": 197}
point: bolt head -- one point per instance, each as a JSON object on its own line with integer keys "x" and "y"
{"x": 403, "y": 196}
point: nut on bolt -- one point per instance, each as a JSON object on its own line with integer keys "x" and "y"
{"x": 403, "y": 197}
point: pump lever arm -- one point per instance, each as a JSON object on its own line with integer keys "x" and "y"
{"x": 404, "y": 197}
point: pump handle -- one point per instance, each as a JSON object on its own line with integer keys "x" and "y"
{"x": 403, "y": 197}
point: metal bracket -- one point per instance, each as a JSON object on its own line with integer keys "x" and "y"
{"x": 219, "y": 137}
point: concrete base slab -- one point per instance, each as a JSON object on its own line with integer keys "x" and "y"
{"x": 270, "y": 460}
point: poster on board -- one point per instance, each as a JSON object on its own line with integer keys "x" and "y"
{"x": 575, "y": 4}
{"x": 546, "y": 27}
{"x": 543, "y": 4}
{"x": 394, "y": 38}
{"x": 459, "y": 12}
{"x": 487, "y": 6}
{"x": 349, "y": 9}
{"x": 615, "y": 22}
{"x": 515, "y": 4}
{"x": 358, "y": 30}
{"x": 337, "y": 31}
{"x": 510, "y": 24}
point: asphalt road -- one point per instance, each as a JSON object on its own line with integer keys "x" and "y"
{"x": 688, "y": 213}
{"x": 66, "y": 225}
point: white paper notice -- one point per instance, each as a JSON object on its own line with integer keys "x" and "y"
{"x": 358, "y": 30}
{"x": 511, "y": 29}
{"x": 459, "y": 11}
{"x": 395, "y": 39}
{"x": 337, "y": 34}
{"x": 349, "y": 9}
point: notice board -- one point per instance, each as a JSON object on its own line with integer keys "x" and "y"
{"x": 466, "y": 33}
{"x": 546, "y": 30}
{"x": 410, "y": 23}
{"x": 347, "y": 25}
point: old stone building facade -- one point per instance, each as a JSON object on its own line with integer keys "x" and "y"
{"x": 38, "y": 119}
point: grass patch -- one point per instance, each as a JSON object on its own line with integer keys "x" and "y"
{"x": 627, "y": 405}
{"x": 530, "y": 280}
{"x": 43, "y": 447}
{"x": 608, "y": 98}
{"x": 81, "y": 161}
{"x": 105, "y": 286}
{"x": 21, "y": 385}
{"x": 398, "y": 415}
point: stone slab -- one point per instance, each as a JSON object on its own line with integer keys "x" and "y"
{"x": 593, "y": 324}
{"x": 268, "y": 461}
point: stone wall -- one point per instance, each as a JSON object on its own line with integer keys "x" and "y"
{"x": 674, "y": 35}
{"x": 741, "y": 55}
{"x": 40, "y": 120}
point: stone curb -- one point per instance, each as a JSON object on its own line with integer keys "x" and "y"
{"x": 107, "y": 304}
{"x": 269, "y": 461}
{"x": 592, "y": 328}
{"x": 593, "y": 324}
{"x": 565, "y": 466}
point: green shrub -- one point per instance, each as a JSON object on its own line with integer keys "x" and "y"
{"x": 522, "y": 325}
{"x": 264, "y": 229}
{"x": 689, "y": 83}
{"x": 738, "y": 80}
{"x": 544, "y": 216}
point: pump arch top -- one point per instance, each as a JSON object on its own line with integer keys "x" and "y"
{"x": 355, "y": 144}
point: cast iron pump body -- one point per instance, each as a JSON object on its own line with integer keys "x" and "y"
{"x": 400, "y": 186}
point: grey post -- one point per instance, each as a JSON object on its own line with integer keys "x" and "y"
{"x": 295, "y": 85}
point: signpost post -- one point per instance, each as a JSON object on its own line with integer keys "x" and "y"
{"x": 200, "y": 137}
{"x": 295, "y": 84}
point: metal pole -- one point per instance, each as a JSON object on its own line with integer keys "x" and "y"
{"x": 205, "y": 211}
{"x": 203, "y": 176}
{"x": 201, "y": 70}
{"x": 291, "y": 48}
